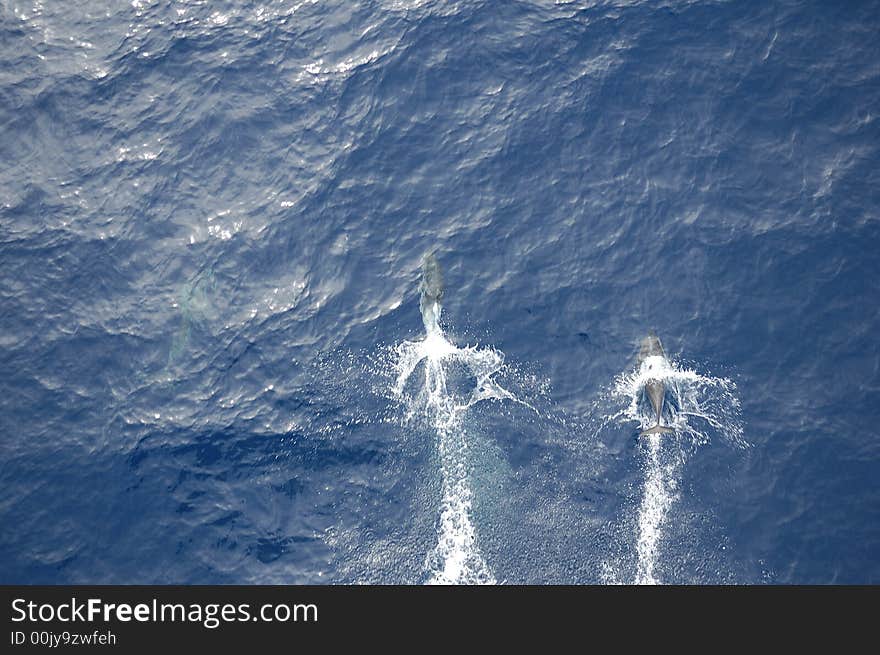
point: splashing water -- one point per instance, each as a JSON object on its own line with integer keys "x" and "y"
{"x": 456, "y": 559}
{"x": 696, "y": 407}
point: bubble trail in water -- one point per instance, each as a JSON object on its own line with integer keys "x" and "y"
{"x": 695, "y": 407}
{"x": 658, "y": 496}
{"x": 456, "y": 559}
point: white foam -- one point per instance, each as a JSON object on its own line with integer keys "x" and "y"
{"x": 659, "y": 494}
{"x": 456, "y": 559}
{"x": 697, "y": 407}
{"x": 702, "y": 405}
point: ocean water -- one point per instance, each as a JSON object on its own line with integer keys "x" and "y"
{"x": 215, "y": 369}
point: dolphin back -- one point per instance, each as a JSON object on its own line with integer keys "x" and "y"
{"x": 432, "y": 279}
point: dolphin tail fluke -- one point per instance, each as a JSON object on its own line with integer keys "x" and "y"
{"x": 657, "y": 429}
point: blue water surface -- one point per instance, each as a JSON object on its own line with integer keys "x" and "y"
{"x": 212, "y": 217}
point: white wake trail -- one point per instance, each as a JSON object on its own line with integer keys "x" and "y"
{"x": 696, "y": 407}
{"x": 659, "y": 494}
{"x": 456, "y": 559}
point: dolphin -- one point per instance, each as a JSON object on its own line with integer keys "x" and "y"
{"x": 431, "y": 286}
{"x": 656, "y": 390}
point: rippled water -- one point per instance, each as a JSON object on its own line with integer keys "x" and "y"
{"x": 212, "y": 218}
